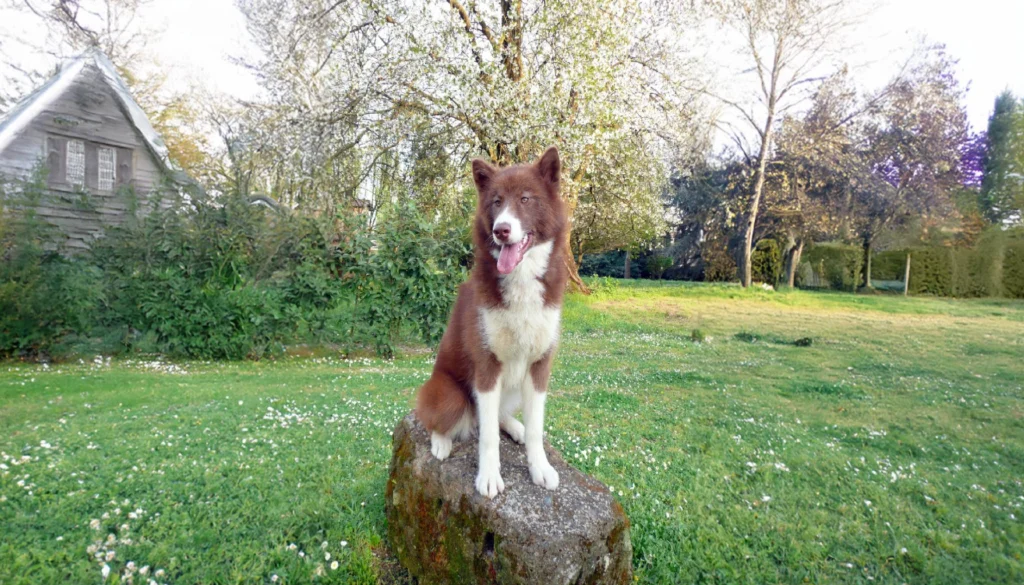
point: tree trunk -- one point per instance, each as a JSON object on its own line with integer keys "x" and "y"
{"x": 867, "y": 264}
{"x": 625, "y": 270}
{"x": 755, "y": 200}
{"x": 576, "y": 283}
{"x": 793, "y": 262}
{"x": 906, "y": 276}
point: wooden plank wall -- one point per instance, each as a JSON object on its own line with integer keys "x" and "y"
{"x": 88, "y": 110}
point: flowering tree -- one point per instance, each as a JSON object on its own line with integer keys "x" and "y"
{"x": 602, "y": 80}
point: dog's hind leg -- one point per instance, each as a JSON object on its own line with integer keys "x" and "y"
{"x": 511, "y": 402}
{"x": 514, "y": 428}
{"x": 443, "y": 407}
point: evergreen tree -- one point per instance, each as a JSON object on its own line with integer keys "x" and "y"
{"x": 1002, "y": 188}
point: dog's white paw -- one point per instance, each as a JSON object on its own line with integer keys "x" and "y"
{"x": 440, "y": 445}
{"x": 489, "y": 482}
{"x": 514, "y": 428}
{"x": 544, "y": 475}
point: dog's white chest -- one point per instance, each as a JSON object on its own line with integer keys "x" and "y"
{"x": 524, "y": 329}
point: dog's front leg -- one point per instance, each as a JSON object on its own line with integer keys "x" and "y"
{"x": 488, "y": 407}
{"x": 534, "y": 395}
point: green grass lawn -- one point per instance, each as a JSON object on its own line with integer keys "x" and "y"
{"x": 891, "y": 450}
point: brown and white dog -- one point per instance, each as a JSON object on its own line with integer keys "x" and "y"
{"x": 495, "y": 357}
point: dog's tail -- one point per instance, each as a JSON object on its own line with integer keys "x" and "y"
{"x": 442, "y": 405}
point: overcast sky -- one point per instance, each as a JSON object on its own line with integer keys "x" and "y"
{"x": 200, "y": 37}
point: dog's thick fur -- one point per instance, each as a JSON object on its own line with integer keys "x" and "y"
{"x": 495, "y": 357}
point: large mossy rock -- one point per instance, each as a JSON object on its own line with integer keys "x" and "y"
{"x": 443, "y": 531}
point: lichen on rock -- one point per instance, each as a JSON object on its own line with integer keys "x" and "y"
{"x": 443, "y": 531}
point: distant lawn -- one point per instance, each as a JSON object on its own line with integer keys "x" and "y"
{"x": 889, "y": 450}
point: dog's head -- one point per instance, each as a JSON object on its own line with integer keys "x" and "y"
{"x": 519, "y": 207}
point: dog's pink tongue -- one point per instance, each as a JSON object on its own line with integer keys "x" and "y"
{"x": 509, "y": 258}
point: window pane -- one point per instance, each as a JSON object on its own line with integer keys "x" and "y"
{"x": 107, "y": 168}
{"x": 76, "y": 162}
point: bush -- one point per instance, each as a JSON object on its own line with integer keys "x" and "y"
{"x": 43, "y": 296}
{"x": 412, "y": 279}
{"x": 226, "y": 279}
{"x": 611, "y": 264}
{"x": 719, "y": 264}
{"x": 656, "y": 264}
{"x": 766, "y": 262}
{"x": 835, "y": 266}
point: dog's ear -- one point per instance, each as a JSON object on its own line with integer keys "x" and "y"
{"x": 550, "y": 166}
{"x": 483, "y": 173}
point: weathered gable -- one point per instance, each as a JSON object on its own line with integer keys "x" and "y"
{"x": 102, "y": 161}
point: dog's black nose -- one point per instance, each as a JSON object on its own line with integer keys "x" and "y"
{"x": 502, "y": 231}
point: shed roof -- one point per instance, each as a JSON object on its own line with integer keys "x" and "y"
{"x": 19, "y": 116}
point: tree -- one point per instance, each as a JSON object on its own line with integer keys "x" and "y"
{"x": 786, "y": 43}
{"x": 704, "y": 205}
{"x": 912, "y": 152}
{"x": 1002, "y": 187}
{"x": 114, "y": 27}
{"x": 607, "y": 218}
{"x": 110, "y": 25}
{"x": 810, "y": 176}
{"x": 503, "y": 79}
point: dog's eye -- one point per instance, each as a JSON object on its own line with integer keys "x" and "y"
{"x": 525, "y": 199}
{"x": 497, "y": 202}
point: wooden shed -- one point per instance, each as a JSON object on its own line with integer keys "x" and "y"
{"x": 103, "y": 158}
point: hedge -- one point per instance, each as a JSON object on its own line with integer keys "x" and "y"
{"x": 994, "y": 267}
{"x": 766, "y": 262}
{"x": 1013, "y": 266}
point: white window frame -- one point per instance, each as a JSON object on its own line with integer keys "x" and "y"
{"x": 74, "y": 161}
{"x": 106, "y": 170}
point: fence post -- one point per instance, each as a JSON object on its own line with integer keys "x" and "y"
{"x": 906, "y": 276}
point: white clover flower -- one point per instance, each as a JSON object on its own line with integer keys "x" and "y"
{"x": 144, "y": 570}
{"x": 105, "y": 571}
{"x": 766, "y": 498}
{"x": 327, "y": 556}
{"x": 334, "y": 565}
{"x": 94, "y": 524}
{"x": 344, "y": 543}
{"x": 867, "y": 503}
